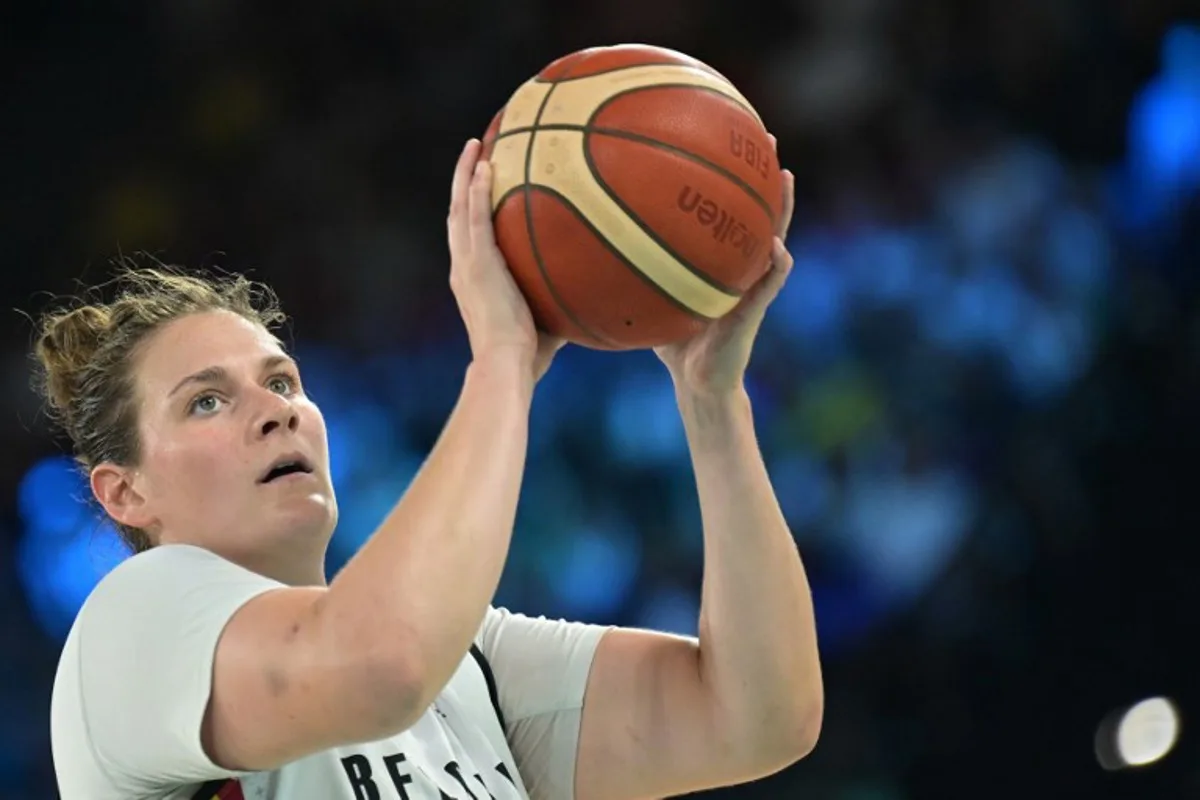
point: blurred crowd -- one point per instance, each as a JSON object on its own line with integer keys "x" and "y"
{"x": 975, "y": 395}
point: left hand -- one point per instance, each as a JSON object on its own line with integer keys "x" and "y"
{"x": 713, "y": 362}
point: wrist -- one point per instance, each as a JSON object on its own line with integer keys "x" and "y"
{"x": 504, "y": 369}
{"x": 711, "y": 414}
{"x": 711, "y": 398}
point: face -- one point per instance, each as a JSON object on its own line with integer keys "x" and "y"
{"x": 220, "y": 408}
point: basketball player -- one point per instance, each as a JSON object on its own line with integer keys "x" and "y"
{"x": 217, "y": 663}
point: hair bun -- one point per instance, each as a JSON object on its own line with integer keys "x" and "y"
{"x": 65, "y": 347}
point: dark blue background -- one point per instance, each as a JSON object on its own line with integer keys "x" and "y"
{"x": 977, "y": 395}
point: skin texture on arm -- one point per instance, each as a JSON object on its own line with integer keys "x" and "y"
{"x": 667, "y": 715}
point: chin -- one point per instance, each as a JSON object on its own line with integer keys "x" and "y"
{"x": 313, "y": 519}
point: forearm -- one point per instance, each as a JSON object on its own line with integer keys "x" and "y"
{"x": 424, "y": 580}
{"x": 758, "y": 643}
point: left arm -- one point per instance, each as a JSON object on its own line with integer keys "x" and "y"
{"x": 659, "y": 715}
{"x": 667, "y": 715}
{"x": 622, "y": 713}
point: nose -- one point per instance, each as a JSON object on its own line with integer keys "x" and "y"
{"x": 277, "y": 415}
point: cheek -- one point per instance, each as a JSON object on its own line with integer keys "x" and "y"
{"x": 196, "y": 467}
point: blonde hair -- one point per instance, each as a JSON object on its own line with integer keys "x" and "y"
{"x": 87, "y": 350}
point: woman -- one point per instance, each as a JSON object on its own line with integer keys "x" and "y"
{"x": 216, "y": 662}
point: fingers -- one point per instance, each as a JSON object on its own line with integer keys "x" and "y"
{"x": 457, "y": 229}
{"x": 789, "y": 204}
{"x": 789, "y": 194}
{"x": 763, "y": 293}
{"x": 781, "y": 268}
{"x": 483, "y": 235}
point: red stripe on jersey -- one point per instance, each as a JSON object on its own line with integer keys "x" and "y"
{"x": 232, "y": 790}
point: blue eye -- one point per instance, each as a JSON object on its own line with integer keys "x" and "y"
{"x": 282, "y": 384}
{"x": 205, "y": 404}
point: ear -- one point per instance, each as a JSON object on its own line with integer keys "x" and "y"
{"x": 114, "y": 489}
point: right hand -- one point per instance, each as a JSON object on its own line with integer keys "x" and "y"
{"x": 493, "y": 309}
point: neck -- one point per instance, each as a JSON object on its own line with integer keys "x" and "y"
{"x": 292, "y": 563}
{"x": 293, "y": 566}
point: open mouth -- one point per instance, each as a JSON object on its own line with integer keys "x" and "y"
{"x": 286, "y": 465}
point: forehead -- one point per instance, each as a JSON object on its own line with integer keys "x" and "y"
{"x": 199, "y": 341}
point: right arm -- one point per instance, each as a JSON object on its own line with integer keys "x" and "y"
{"x": 299, "y": 671}
{"x": 185, "y": 667}
{"x": 302, "y": 670}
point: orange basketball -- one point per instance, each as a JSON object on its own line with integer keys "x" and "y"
{"x": 635, "y": 195}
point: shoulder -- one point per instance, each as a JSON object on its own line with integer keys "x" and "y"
{"x": 162, "y": 595}
{"x": 161, "y": 564}
{"x": 169, "y": 558}
{"x": 135, "y": 674}
{"x": 157, "y": 576}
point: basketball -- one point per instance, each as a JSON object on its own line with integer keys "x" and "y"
{"x": 635, "y": 193}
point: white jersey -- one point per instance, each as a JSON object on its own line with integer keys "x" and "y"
{"x": 135, "y": 675}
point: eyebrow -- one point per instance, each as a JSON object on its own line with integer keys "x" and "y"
{"x": 216, "y": 374}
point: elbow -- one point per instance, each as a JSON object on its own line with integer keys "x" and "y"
{"x": 399, "y": 691}
{"x": 804, "y": 729}
{"x": 802, "y": 713}
{"x": 788, "y": 734}
{"x": 384, "y": 683}
{"x": 385, "y": 693}
{"x": 402, "y": 683}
